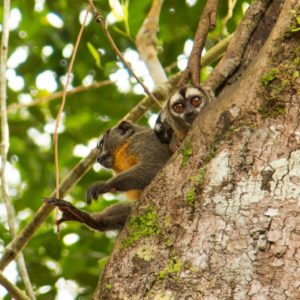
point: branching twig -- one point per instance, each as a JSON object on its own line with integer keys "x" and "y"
{"x": 5, "y": 146}
{"x": 64, "y": 100}
{"x": 19, "y": 242}
{"x": 206, "y": 22}
{"x": 12, "y": 289}
{"x": 57, "y": 95}
{"x": 100, "y": 20}
{"x": 146, "y": 42}
{"x": 232, "y": 59}
{"x": 231, "y": 4}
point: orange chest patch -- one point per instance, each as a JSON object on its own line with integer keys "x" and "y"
{"x": 122, "y": 160}
{"x": 133, "y": 194}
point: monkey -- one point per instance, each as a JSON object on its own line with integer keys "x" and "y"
{"x": 177, "y": 117}
{"x": 136, "y": 155}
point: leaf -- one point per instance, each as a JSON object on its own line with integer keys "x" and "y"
{"x": 295, "y": 29}
{"x": 126, "y": 15}
{"x": 95, "y": 54}
{"x": 298, "y": 20}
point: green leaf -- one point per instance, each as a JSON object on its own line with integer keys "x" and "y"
{"x": 94, "y": 53}
{"x": 125, "y": 5}
{"x": 295, "y": 29}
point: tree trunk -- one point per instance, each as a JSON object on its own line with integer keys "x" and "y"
{"x": 222, "y": 219}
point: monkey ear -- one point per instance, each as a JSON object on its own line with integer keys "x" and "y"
{"x": 126, "y": 128}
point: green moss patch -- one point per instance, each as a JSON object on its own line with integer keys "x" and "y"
{"x": 141, "y": 226}
{"x": 186, "y": 151}
{"x": 269, "y": 76}
{"x": 190, "y": 197}
{"x": 173, "y": 267}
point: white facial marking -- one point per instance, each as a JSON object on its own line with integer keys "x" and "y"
{"x": 175, "y": 98}
{"x": 191, "y": 91}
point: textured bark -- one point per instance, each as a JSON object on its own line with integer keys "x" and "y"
{"x": 225, "y": 209}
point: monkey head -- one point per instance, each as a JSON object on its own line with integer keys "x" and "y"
{"x": 112, "y": 141}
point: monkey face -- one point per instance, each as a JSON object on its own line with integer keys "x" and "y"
{"x": 185, "y": 104}
{"x": 112, "y": 141}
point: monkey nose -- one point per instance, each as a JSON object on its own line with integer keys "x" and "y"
{"x": 105, "y": 159}
{"x": 190, "y": 116}
{"x": 102, "y": 157}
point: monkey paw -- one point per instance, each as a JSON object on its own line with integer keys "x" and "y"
{"x": 95, "y": 190}
{"x": 70, "y": 212}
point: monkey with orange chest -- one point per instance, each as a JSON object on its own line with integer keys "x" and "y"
{"x": 136, "y": 155}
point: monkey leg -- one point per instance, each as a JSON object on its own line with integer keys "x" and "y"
{"x": 111, "y": 218}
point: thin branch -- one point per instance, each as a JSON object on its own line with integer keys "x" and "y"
{"x": 100, "y": 20}
{"x": 206, "y": 22}
{"x": 5, "y": 146}
{"x": 212, "y": 55}
{"x": 12, "y": 289}
{"x": 57, "y": 95}
{"x": 19, "y": 242}
{"x": 233, "y": 56}
{"x": 146, "y": 42}
{"x": 231, "y": 5}
{"x": 64, "y": 100}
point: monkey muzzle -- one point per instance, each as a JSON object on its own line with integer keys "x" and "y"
{"x": 190, "y": 116}
{"x": 105, "y": 159}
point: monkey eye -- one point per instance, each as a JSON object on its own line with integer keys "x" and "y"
{"x": 178, "y": 108}
{"x": 196, "y": 101}
{"x": 100, "y": 145}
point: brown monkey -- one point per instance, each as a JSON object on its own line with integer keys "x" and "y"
{"x": 178, "y": 115}
{"x": 136, "y": 155}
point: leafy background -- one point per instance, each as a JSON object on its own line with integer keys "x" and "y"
{"x": 68, "y": 268}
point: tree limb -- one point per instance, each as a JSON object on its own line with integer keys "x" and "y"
{"x": 5, "y": 146}
{"x": 12, "y": 289}
{"x": 206, "y": 22}
{"x": 231, "y": 5}
{"x": 146, "y": 42}
{"x": 232, "y": 58}
{"x": 211, "y": 56}
{"x": 19, "y": 242}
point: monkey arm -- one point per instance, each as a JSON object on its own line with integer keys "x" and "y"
{"x": 111, "y": 218}
{"x": 135, "y": 178}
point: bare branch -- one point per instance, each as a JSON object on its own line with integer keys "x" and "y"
{"x": 211, "y": 56}
{"x": 5, "y": 146}
{"x": 57, "y": 95}
{"x": 206, "y": 22}
{"x": 20, "y": 241}
{"x": 12, "y": 289}
{"x": 231, "y": 5}
{"x": 146, "y": 42}
{"x": 64, "y": 100}
{"x": 237, "y": 46}
{"x": 100, "y": 20}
